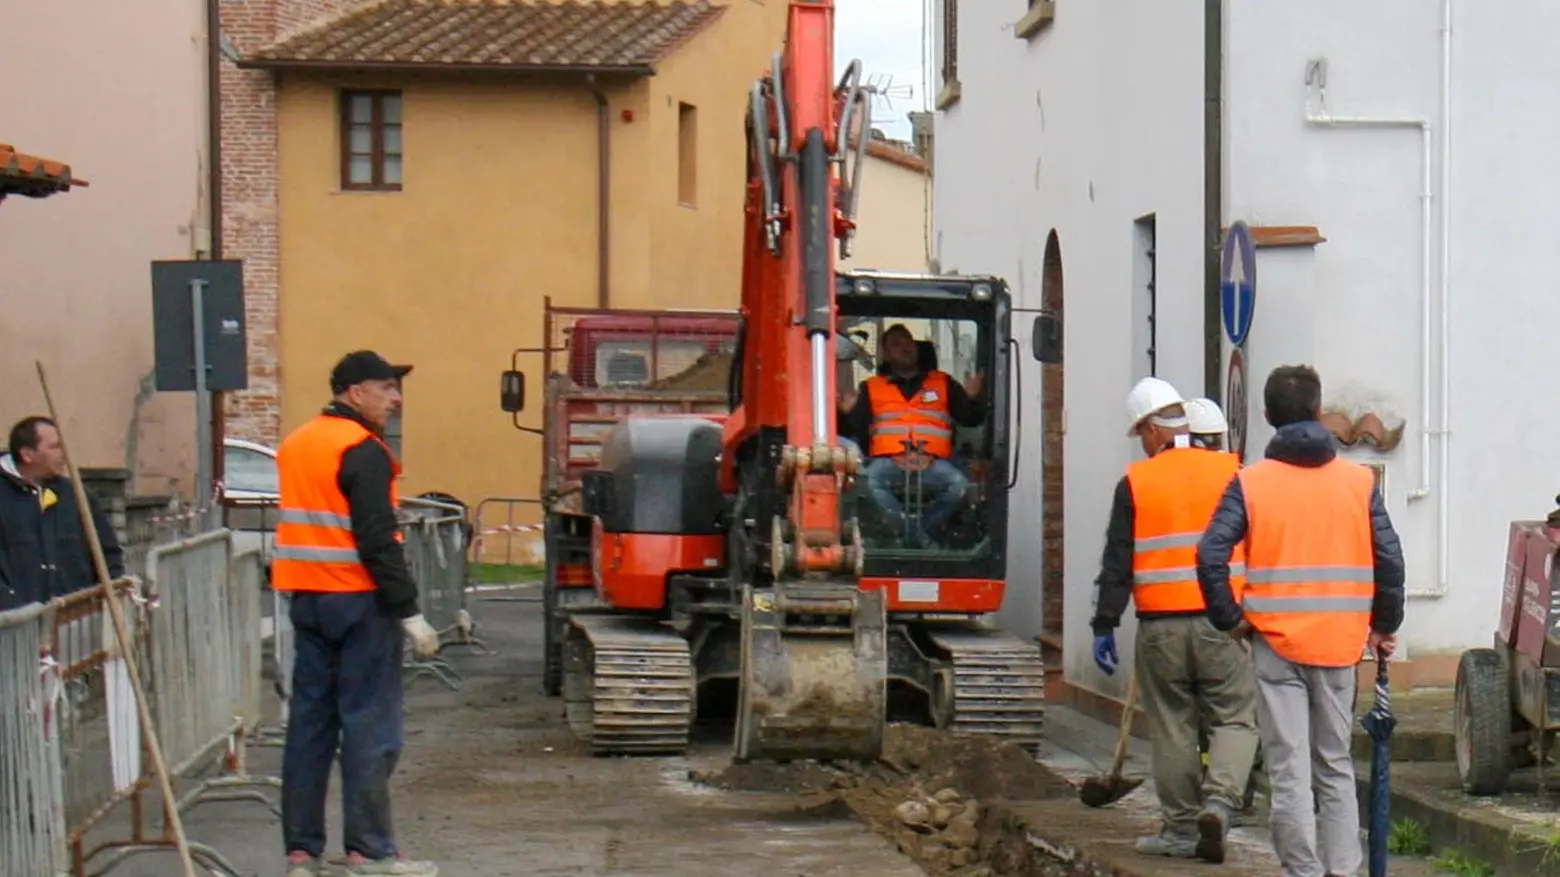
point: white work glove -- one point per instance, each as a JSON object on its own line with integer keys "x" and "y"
{"x": 425, "y": 640}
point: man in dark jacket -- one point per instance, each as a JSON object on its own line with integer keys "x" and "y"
{"x": 43, "y": 551}
{"x": 1324, "y": 582}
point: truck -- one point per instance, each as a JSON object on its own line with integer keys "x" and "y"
{"x": 601, "y": 365}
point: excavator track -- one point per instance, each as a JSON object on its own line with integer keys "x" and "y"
{"x": 628, "y": 685}
{"x": 998, "y": 683}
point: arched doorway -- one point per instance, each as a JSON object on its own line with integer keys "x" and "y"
{"x": 1053, "y": 597}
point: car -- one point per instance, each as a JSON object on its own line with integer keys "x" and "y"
{"x": 250, "y": 491}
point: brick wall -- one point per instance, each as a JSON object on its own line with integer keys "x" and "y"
{"x": 250, "y": 222}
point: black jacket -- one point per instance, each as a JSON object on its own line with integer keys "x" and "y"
{"x": 1114, "y": 583}
{"x": 365, "y": 477}
{"x": 856, "y": 424}
{"x": 1300, "y": 444}
{"x": 43, "y": 552}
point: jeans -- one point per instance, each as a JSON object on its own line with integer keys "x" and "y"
{"x": 942, "y": 489}
{"x": 347, "y": 690}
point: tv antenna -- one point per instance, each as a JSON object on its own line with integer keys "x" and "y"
{"x": 884, "y": 90}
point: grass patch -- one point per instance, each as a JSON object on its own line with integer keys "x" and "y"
{"x": 1454, "y": 862}
{"x": 506, "y": 573}
{"x": 1408, "y": 838}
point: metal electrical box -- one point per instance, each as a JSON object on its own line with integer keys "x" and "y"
{"x": 173, "y": 324}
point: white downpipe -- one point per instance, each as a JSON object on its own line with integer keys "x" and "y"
{"x": 1316, "y": 114}
{"x": 1434, "y": 286}
{"x": 1444, "y": 508}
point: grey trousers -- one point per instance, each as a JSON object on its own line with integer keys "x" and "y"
{"x": 1186, "y": 670}
{"x": 1305, "y": 715}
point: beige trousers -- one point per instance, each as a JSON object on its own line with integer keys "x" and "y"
{"x": 1188, "y": 670}
{"x": 1306, "y": 718}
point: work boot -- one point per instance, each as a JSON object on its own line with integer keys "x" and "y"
{"x": 302, "y": 865}
{"x": 1213, "y": 823}
{"x": 1167, "y": 842}
{"x": 395, "y": 865}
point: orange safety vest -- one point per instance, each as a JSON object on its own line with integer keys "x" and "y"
{"x": 315, "y": 549}
{"x": 1174, "y": 495}
{"x": 897, "y": 420}
{"x": 1310, "y": 563}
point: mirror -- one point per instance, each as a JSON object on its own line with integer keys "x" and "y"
{"x": 1046, "y": 339}
{"x": 512, "y": 392}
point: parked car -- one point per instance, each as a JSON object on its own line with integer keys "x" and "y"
{"x": 250, "y": 490}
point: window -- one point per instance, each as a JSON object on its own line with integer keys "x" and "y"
{"x": 950, "y": 42}
{"x": 687, "y": 154}
{"x": 1145, "y": 297}
{"x": 371, "y": 140}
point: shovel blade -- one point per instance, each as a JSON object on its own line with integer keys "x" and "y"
{"x": 1101, "y": 791}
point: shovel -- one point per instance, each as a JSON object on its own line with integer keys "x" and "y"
{"x": 1108, "y": 789}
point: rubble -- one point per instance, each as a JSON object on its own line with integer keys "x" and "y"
{"x": 709, "y": 372}
{"x": 942, "y": 798}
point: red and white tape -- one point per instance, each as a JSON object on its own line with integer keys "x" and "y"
{"x": 513, "y": 528}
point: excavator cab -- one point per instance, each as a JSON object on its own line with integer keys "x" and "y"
{"x": 921, "y": 515}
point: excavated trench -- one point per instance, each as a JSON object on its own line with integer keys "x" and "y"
{"x": 946, "y": 800}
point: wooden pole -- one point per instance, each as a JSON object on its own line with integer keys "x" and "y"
{"x": 117, "y": 613}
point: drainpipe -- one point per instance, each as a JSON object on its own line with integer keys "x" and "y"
{"x": 1433, "y": 294}
{"x": 1213, "y": 196}
{"x": 214, "y": 193}
{"x": 603, "y": 194}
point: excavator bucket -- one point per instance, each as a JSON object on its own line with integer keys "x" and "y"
{"x": 814, "y": 672}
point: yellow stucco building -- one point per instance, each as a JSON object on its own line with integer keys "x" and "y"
{"x": 442, "y": 165}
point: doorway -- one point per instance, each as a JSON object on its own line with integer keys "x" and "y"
{"x": 1053, "y": 596}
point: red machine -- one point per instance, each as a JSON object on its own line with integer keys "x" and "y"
{"x": 743, "y": 549}
{"x": 1507, "y": 706}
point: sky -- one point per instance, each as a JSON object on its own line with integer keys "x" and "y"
{"x": 888, "y": 36}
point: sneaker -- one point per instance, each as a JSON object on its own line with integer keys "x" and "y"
{"x": 302, "y": 865}
{"x": 395, "y": 865}
{"x": 1168, "y": 843}
{"x": 1212, "y": 824}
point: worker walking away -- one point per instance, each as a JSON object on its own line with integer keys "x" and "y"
{"x": 1205, "y": 421}
{"x": 339, "y": 556}
{"x": 1324, "y": 573}
{"x": 1186, "y": 670}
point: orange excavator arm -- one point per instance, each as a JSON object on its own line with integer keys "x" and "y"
{"x": 803, "y": 127}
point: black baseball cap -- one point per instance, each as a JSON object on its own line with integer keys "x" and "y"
{"x": 364, "y": 365}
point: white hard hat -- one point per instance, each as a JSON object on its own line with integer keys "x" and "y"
{"x": 1150, "y": 396}
{"x": 1204, "y": 417}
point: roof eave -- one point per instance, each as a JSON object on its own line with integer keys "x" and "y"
{"x": 300, "y": 64}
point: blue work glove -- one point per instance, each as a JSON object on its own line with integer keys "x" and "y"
{"x": 1105, "y": 653}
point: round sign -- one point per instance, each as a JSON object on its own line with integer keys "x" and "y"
{"x": 1238, "y": 282}
{"x": 1235, "y": 404}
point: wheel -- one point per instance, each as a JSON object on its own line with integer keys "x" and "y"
{"x": 1481, "y": 715}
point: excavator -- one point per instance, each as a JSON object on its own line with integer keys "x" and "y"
{"x": 744, "y": 548}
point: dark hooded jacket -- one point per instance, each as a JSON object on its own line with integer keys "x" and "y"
{"x": 1310, "y": 445}
{"x": 43, "y": 552}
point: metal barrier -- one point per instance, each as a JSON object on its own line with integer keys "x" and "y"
{"x": 205, "y": 666}
{"x": 32, "y": 810}
{"x": 436, "y": 539}
{"x": 70, "y": 738}
{"x": 499, "y": 530}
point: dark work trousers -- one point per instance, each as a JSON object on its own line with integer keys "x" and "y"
{"x": 346, "y": 691}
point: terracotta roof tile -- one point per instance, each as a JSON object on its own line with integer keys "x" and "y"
{"x": 896, "y": 155}
{"x": 495, "y": 34}
{"x": 34, "y": 177}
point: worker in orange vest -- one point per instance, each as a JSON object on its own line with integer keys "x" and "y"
{"x": 352, "y": 601}
{"x": 1324, "y": 582}
{"x": 1186, "y": 670}
{"x": 908, "y": 414}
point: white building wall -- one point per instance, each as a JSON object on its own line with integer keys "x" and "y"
{"x": 1353, "y": 306}
{"x": 1083, "y": 129}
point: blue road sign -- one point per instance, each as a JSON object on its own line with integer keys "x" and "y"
{"x": 1238, "y": 282}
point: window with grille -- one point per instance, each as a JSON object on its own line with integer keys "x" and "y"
{"x": 950, "y": 41}
{"x": 371, "y": 140}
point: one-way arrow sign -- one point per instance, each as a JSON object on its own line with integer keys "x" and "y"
{"x": 1238, "y": 282}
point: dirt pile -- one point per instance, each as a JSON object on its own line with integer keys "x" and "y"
{"x": 941, "y": 797}
{"x": 709, "y": 372}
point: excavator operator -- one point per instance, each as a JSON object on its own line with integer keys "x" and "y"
{"x": 907, "y": 414}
